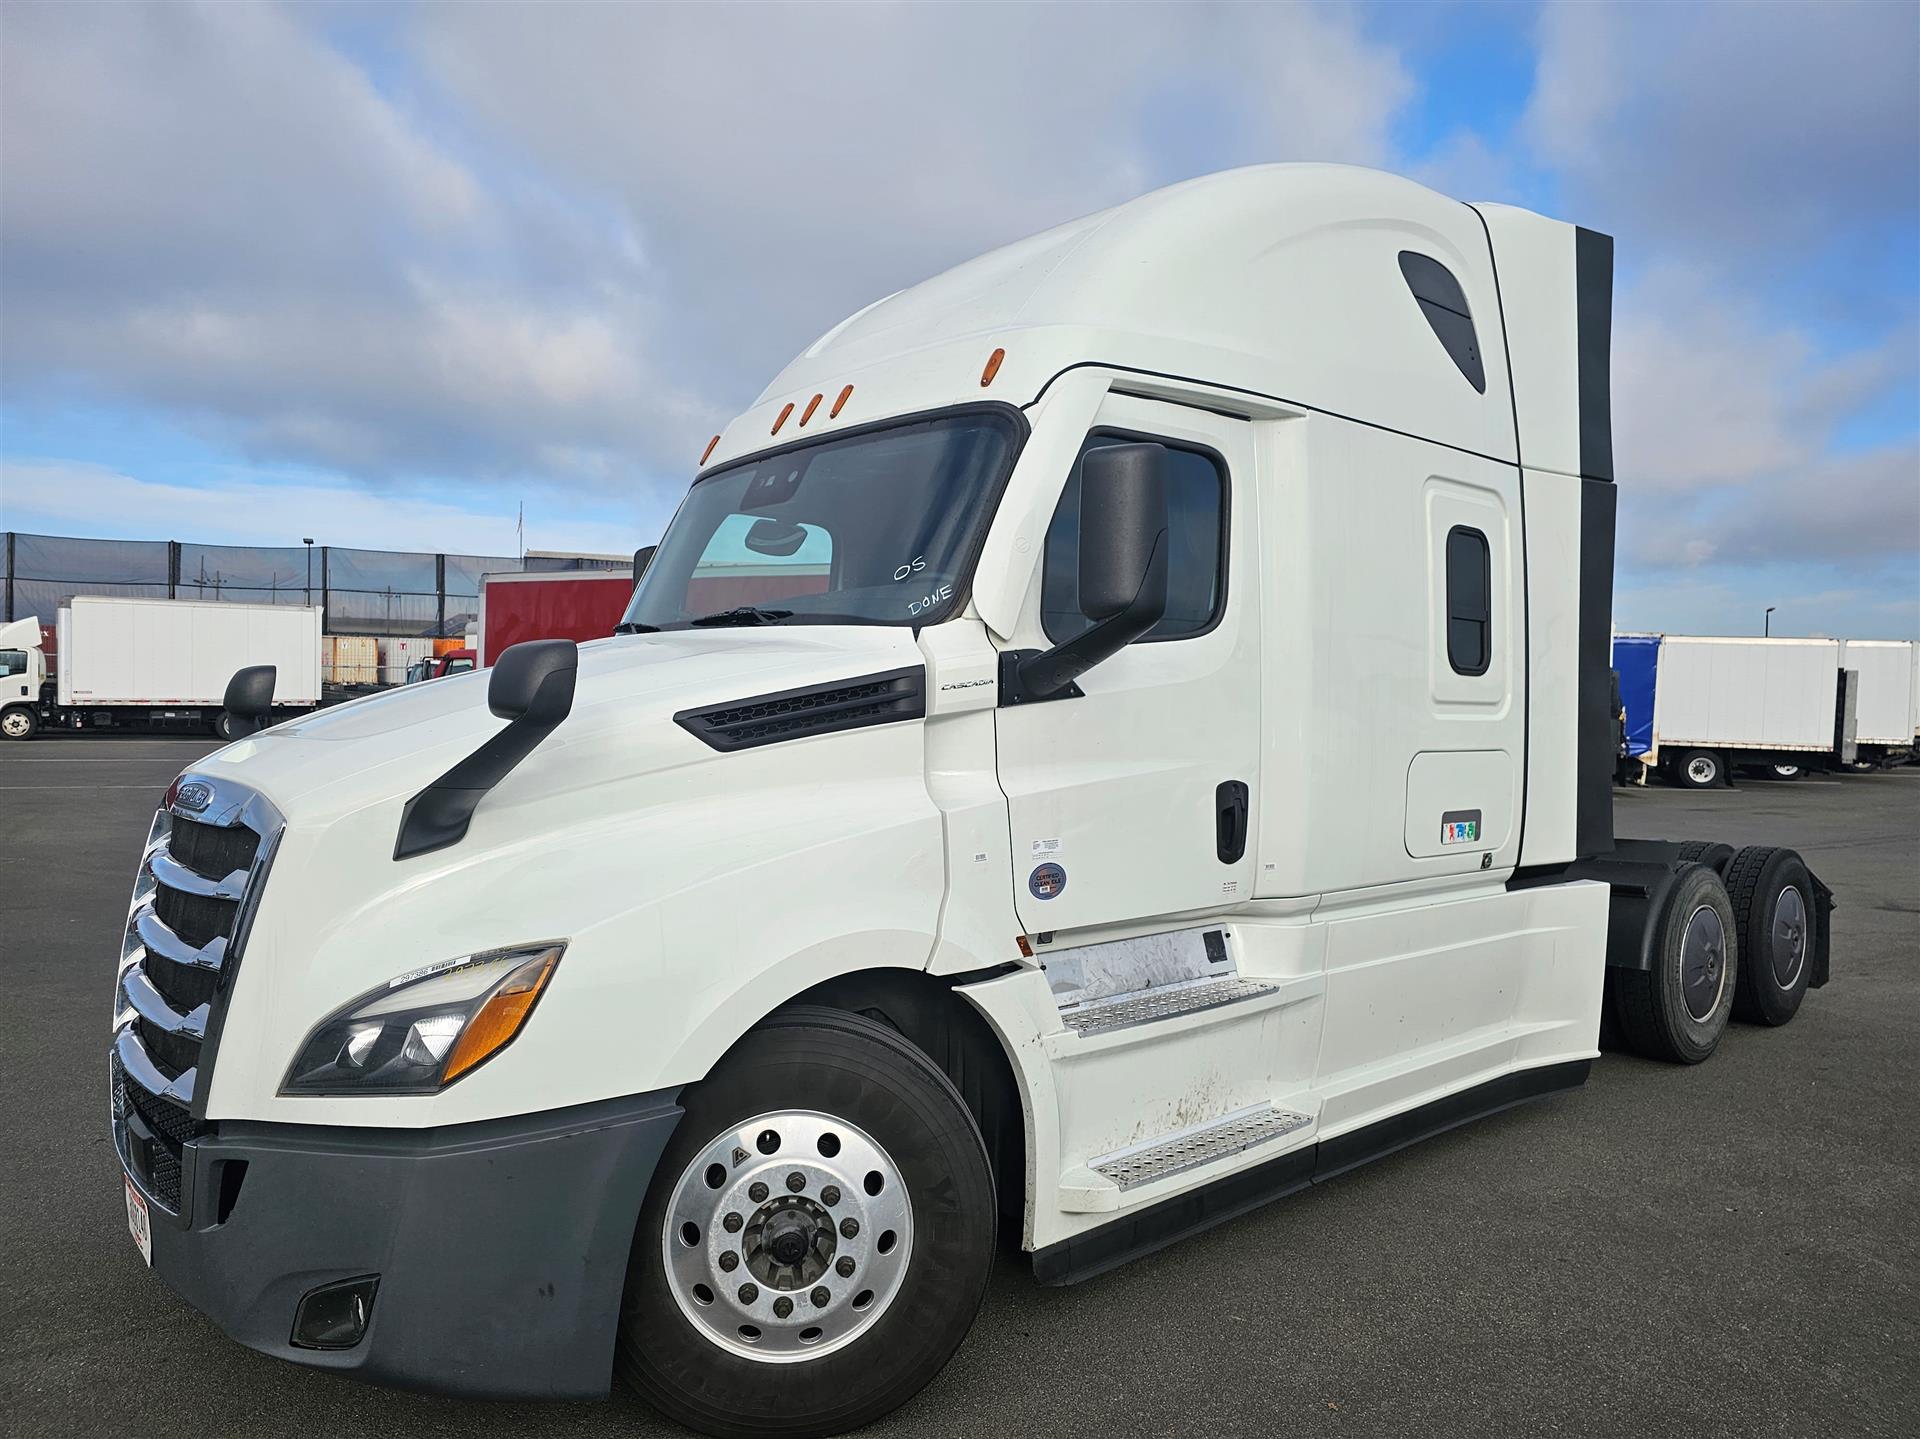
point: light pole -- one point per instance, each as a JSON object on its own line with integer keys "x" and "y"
{"x": 1766, "y": 621}
{"x": 309, "y": 544}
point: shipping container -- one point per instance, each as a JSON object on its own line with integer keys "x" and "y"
{"x": 398, "y": 655}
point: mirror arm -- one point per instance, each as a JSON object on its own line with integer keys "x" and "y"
{"x": 1029, "y": 676}
{"x": 438, "y": 815}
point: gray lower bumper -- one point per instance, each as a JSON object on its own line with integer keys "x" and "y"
{"x": 501, "y": 1247}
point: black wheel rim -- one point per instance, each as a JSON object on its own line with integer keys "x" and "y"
{"x": 1789, "y": 936}
{"x": 1703, "y": 963}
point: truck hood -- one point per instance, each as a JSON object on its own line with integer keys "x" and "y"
{"x": 389, "y": 746}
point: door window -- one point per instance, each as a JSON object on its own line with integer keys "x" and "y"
{"x": 12, "y": 662}
{"x": 1469, "y": 601}
{"x": 1196, "y": 569}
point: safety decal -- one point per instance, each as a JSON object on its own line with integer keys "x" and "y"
{"x": 1460, "y": 826}
{"x": 1047, "y": 881}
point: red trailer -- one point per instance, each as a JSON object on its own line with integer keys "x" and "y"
{"x": 550, "y": 605}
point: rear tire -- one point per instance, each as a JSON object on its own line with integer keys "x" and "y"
{"x": 223, "y": 726}
{"x": 19, "y": 723}
{"x": 834, "y": 1079}
{"x": 1700, "y": 769}
{"x": 1678, "y": 1010}
{"x": 1783, "y": 771}
{"x": 1772, "y": 896}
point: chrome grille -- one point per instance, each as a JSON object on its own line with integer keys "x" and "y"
{"x": 198, "y": 880}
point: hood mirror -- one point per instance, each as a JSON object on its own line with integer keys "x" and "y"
{"x": 249, "y": 699}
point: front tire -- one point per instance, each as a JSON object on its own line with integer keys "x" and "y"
{"x": 1700, "y": 769}
{"x": 1772, "y": 896}
{"x": 817, "y": 1239}
{"x": 1678, "y": 1010}
{"x": 19, "y": 723}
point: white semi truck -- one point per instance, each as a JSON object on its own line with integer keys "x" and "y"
{"x": 153, "y": 664}
{"x": 1116, "y": 733}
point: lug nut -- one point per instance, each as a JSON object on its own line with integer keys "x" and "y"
{"x": 757, "y": 1192}
{"x": 749, "y": 1293}
{"x": 732, "y": 1223}
{"x": 796, "y": 1181}
{"x": 730, "y": 1261}
{"x": 830, "y": 1196}
{"x": 820, "y": 1298}
{"x": 849, "y": 1228}
{"x": 843, "y": 1266}
{"x": 782, "y": 1307}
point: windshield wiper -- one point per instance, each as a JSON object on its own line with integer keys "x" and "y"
{"x": 634, "y": 627}
{"x": 743, "y": 615}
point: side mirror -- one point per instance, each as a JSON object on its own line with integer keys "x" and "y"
{"x": 641, "y": 559}
{"x": 531, "y": 687}
{"x": 249, "y": 699}
{"x": 1123, "y": 567}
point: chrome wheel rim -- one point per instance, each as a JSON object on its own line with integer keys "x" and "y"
{"x": 788, "y": 1236}
{"x": 1702, "y": 770}
{"x": 1789, "y": 937}
{"x": 1703, "y": 963}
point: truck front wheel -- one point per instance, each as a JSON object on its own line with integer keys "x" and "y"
{"x": 1700, "y": 769}
{"x": 1678, "y": 1010}
{"x": 817, "y": 1239}
{"x": 19, "y": 723}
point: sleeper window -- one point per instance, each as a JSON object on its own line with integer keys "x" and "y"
{"x": 1196, "y": 570}
{"x": 1469, "y": 601}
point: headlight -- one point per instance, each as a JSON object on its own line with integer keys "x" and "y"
{"x": 418, "y": 1033}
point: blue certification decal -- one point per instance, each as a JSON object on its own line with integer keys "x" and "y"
{"x": 1047, "y": 881}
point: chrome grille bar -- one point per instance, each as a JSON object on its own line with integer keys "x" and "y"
{"x": 175, "y": 875}
{"x": 154, "y": 935}
{"x": 141, "y": 1069}
{"x": 151, "y": 1005}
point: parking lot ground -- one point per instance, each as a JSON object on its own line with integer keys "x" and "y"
{"x": 1724, "y": 1250}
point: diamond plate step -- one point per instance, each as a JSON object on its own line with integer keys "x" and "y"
{"x": 1233, "y": 1135}
{"x": 1128, "y": 1010}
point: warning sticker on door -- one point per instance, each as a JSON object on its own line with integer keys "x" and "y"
{"x": 1460, "y": 826}
{"x": 1047, "y": 881}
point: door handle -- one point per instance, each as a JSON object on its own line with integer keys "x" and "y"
{"x": 1230, "y": 808}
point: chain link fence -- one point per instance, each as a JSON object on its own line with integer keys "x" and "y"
{"x": 364, "y": 592}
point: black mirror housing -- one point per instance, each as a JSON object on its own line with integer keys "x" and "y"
{"x": 531, "y": 687}
{"x": 1122, "y": 565}
{"x": 249, "y": 700}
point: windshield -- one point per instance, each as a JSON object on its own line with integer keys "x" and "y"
{"x": 880, "y": 527}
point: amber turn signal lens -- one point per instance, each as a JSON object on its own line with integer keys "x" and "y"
{"x": 992, "y": 369}
{"x": 785, "y": 410}
{"x": 840, "y": 404}
{"x": 807, "y": 414}
{"x": 493, "y": 1027}
{"x": 707, "y": 453}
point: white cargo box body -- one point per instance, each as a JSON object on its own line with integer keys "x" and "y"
{"x": 1884, "y": 705}
{"x": 183, "y": 652}
{"x": 1729, "y": 693}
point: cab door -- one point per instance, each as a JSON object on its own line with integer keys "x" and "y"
{"x": 1132, "y": 801}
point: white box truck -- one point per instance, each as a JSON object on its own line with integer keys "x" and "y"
{"x": 1721, "y": 703}
{"x": 154, "y": 664}
{"x": 1115, "y": 734}
{"x": 1886, "y": 712}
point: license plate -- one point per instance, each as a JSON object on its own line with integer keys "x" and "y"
{"x": 137, "y": 1223}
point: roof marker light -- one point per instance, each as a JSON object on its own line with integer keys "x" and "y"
{"x": 707, "y": 453}
{"x": 992, "y": 369}
{"x": 807, "y": 414}
{"x": 785, "y": 410}
{"x": 840, "y": 403}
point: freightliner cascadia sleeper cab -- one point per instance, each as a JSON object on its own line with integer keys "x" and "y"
{"x": 1116, "y": 733}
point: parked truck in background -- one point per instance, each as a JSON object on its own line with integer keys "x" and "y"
{"x": 550, "y": 605}
{"x": 140, "y": 664}
{"x": 1886, "y": 711}
{"x": 1699, "y": 706}
{"x": 1113, "y": 735}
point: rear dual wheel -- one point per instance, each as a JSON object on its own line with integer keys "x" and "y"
{"x": 818, "y": 1237}
{"x": 1773, "y": 905}
{"x": 1700, "y": 769}
{"x": 1678, "y": 1009}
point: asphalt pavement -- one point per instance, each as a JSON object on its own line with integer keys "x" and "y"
{"x": 1724, "y": 1250}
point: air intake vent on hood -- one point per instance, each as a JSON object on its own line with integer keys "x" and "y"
{"x": 815, "y": 709}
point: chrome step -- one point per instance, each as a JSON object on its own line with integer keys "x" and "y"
{"x": 1178, "y": 1153}
{"x": 1147, "y": 1007}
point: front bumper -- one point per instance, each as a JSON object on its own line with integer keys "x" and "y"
{"x": 501, "y": 1247}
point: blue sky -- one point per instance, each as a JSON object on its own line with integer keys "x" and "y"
{"x": 383, "y": 274}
